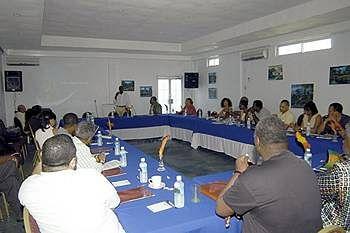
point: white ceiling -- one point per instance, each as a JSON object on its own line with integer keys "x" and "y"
{"x": 139, "y": 24}
{"x": 152, "y": 20}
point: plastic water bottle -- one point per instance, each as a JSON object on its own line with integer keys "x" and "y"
{"x": 185, "y": 114}
{"x": 92, "y": 119}
{"x": 99, "y": 138}
{"x": 308, "y": 156}
{"x": 116, "y": 147}
{"x": 179, "y": 194}
{"x": 143, "y": 171}
{"x": 249, "y": 124}
{"x": 308, "y": 129}
{"x": 123, "y": 159}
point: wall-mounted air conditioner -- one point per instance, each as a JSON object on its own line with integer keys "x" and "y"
{"x": 255, "y": 54}
{"x": 22, "y": 61}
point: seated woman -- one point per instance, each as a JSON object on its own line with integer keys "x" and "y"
{"x": 47, "y": 128}
{"x": 226, "y": 111}
{"x": 311, "y": 116}
{"x": 189, "y": 109}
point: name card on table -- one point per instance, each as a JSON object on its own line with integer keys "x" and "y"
{"x": 161, "y": 206}
{"x": 121, "y": 183}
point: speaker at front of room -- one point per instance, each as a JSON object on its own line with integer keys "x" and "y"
{"x": 13, "y": 81}
{"x": 191, "y": 80}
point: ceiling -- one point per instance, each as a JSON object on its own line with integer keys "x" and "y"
{"x": 24, "y": 23}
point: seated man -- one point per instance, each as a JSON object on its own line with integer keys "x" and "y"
{"x": 286, "y": 114}
{"x": 257, "y": 112}
{"x": 9, "y": 183}
{"x": 335, "y": 116}
{"x": 63, "y": 199}
{"x": 155, "y": 107}
{"x": 85, "y": 132}
{"x": 20, "y": 116}
{"x": 70, "y": 122}
{"x": 281, "y": 195}
{"x": 335, "y": 190}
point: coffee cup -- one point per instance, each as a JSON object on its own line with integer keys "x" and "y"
{"x": 155, "y": 181}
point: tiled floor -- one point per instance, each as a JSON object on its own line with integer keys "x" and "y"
{"x": 179, "y": 155}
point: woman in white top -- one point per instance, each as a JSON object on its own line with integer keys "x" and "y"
{"x": 47, "y": 128}
{"x": 310, "y": 116}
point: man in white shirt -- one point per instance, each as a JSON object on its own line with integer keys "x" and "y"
{"x": 286, "y": 114}
{"x": 20, "y": 115}
{"x": 85, "y": 132}
{"x": 65, "y": 200}
{"x": 122, "y": 102}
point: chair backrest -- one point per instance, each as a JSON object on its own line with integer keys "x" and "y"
{"x": 30, "y": 224}
{"x": 37, "y": 147}
{"x": 332, "y": 229}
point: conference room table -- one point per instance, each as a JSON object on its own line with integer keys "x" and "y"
{"x": 136, "y": 217}
{"x": 233, "y": 140}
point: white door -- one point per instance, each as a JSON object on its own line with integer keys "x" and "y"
{"x": 170, "y": 94}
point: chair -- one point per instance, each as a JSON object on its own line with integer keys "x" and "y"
{"x": 6, "y": 206}
{"x": 37, "y": 147}
{"x": 30, "y": 224}
{"x": 332, "y": 229}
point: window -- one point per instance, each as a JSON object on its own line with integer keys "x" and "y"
{"x": 289, "y": 49}
{"x": 317, "y": 45}
{"x": 213, "y": 61}
{"x": 304, "y": 47}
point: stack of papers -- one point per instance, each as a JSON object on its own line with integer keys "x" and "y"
{"x": 159, "y": 207}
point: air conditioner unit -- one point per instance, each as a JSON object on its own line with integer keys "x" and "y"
{"x": 22, "y": 61}
{"x": 255, "y": 54}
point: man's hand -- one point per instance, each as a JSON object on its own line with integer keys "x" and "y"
{"x": 100, "y": 158}
{"x": 13, "y": 158}
{"x": 242, "y": 163}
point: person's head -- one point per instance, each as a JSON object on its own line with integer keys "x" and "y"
{"x": 121, "y": 89}
{"x": 21, "y": 108}
{"x": 346, "y": 142}
{"x": 226, "y": 103}
{"x": 243, "y": 103}
{"x": 310, "y": 108}
{"x": 36, "y": 109}
{"x": 284, "y": 106}
{"x": 85, "y": 131}
{"x": 58, "y": 154}
{"x": 188, "y": 102}
{"x": 153, "y": 100}
{"x": 335, "y": 107}
{"x": 257, "y": 105}
{"x": 47, "y": 118}
{"x": 85, "y": 114}
{"x": 270, "y": 137}
{"x": 70, "y": 122}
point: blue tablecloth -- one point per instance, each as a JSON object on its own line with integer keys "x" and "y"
{"x": 136, "y": 218}
{"x": 200, "y": 125}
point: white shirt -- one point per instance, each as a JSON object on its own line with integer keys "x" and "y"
{"x": 84, "y": 157}
{"x": 41, "y": 136}
{"x": 122, "y": 100}
{"x": 71, "y": 201}
{"x": 21, "y": 117}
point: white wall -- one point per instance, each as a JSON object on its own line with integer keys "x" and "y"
{"x": 227, "y": 82}
{"x": 72, "y": 84}
{"x": 312, "y": 67}
{"x": 2, "y": 91}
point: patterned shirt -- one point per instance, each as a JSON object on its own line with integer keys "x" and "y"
{"x": 335, "y": 194}
{"x": 84, "y": 157}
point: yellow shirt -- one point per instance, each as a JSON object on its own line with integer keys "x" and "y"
{"x": 287, "y": 117}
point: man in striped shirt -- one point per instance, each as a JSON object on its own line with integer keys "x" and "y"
{"x": 85, "y": 132}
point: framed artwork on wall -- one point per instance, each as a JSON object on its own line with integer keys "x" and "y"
{"x": 128, "y": 85}
{"x": 301, "y": 94}
{"x": 145, "y": 91}
{"x": 275, "y": 72}
{"x": 339, "y": 75}
{"x": 212, "y": 78}
{"x": 212, "y": 93}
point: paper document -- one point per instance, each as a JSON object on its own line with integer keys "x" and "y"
{"x": 121, "y": 183}
{"x": 159, "y": 207}
{"x": 110, "y": 165}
